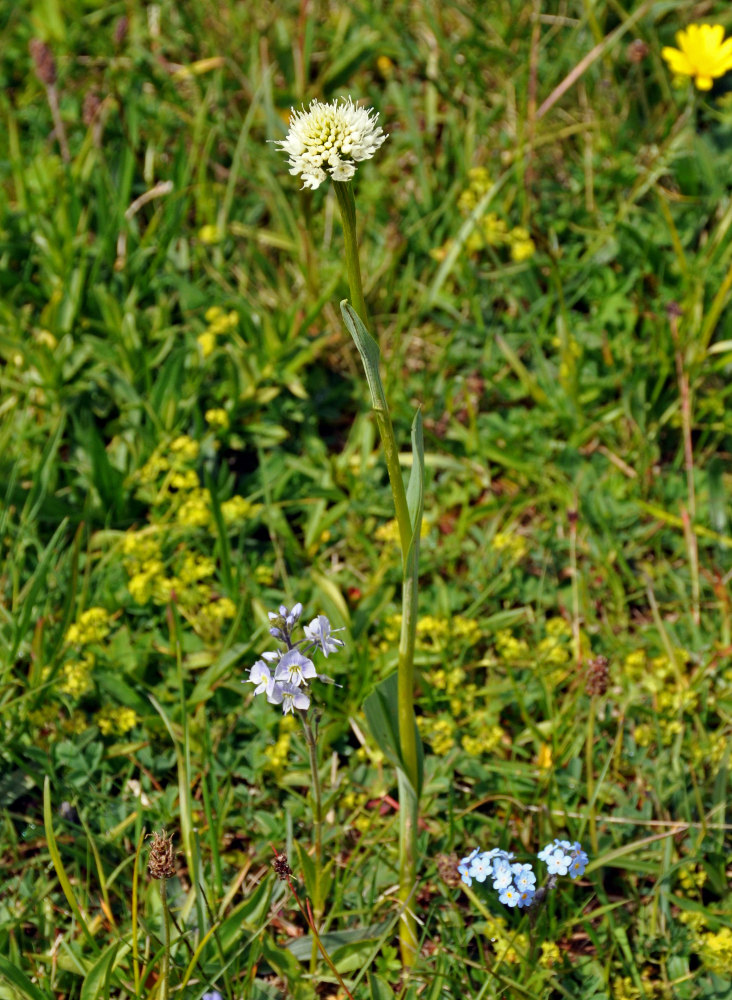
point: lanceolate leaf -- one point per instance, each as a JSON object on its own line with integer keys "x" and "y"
{"x": 370, "y": 354}
{"x": 415, "y": 490}
{"x": 382, "y": 714}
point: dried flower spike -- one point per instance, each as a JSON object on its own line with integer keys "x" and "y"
{"x": 598, "y": 676}
{"x": 161, "y": 860}
{"x": 282, "y": 867}
{"x": 330, "y": 139}
{"x": 44, "y": 61}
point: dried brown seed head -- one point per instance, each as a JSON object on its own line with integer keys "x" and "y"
{"x": 44, "y": 61}
{"x": 161, "y": 860}
{"x": 282, "y": 867}
{"x": 598, "y": 676}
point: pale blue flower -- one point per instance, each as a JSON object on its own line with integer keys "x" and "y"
{"x": 320, "y": 633}
{"x": 579, "y": 861}
{"x": 510, "y": 896}
{"x": 502, "y": 874}
{"x": 526, "y": 898}
{"x": 523, "y": 877}
{"x": 290, "y": 697}
{"x": 480, "y": 868}
{"x": 260, "y": 675}
{"x": 558, "y": 862}
{"x": 464, "y": 867}
{"x": 295, "y": 668}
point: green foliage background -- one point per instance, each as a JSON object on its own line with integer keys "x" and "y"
{"x": 577, "y": 442}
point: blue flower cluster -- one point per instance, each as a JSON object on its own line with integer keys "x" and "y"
{"x": 514, "y": 882}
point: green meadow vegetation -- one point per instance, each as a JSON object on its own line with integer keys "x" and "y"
{"x": 186, "y": 444}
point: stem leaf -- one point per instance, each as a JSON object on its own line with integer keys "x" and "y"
{"x": 369, "y": 351}
{"x": 381, "y": 709}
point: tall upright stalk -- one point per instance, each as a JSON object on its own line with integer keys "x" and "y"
{"x": 317, "y": 829}
{"x": 408, "y": 779}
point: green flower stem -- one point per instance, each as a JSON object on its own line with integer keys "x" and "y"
{"x": 317, "y": 794}
{"x": 408, "y": 803}
{"x": 317, "y": 830}
{"x": 165, "y": 978}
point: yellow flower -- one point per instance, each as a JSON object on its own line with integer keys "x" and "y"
{"x": 93, "y": 625}
{"x": 209, "y": 234}
{"x": 702, "y": 53}
{"x": 207, "y": 342}
{"x": 116, "y": 721}
{"x": 217, "y": 418}
{"x": 76, "y": 679}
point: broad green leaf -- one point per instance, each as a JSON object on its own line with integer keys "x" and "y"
{"x": 96, "y": 981}
{"x": 380, "y": 989}
{"x": 381, "y": 709}
{"x": 58, "y": 864}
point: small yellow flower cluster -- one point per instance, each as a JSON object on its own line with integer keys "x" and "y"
{"x": 654, "y": 673}
{"x": 707, "y": 753}
{"x": 217, "y": 418}
{"x": 448, "y": 681}
{"x": 695, "y": 920}
{"x": 491, "y": 230}
{"x": 623, "y": 988}
{"x": 488, "y": 740}
{"x": 219, "y": 323}
{"x": 76, "y": 679}
{"x": 76, "y": 724}
{"x": 514, "y": 545}
{"x": 434, "y": 632}
{"x": 558, "y": 627}
{"x": 44, "y": 717}
{"x": 508, "y": 946}
{"x": 277, "y": 753}
{"x": 550, "y": 954}
{"x": 691, "y": 877}
{"x": 210, "y": 234}
{"x": 116, "y": 721}
{"x": 184, "y": 582}
{"x": 389, "y": 531}
{"x": 550, "y": 650}
{"x": 509, "y": 648}
{"x": 93, "y": 625}
{"x": 439, "y": 733}
{"x": 715, "y": 951}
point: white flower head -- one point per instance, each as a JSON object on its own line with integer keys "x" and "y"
{"x": 330, "y": 139}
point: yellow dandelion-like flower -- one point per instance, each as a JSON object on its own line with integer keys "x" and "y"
{"x": 703, "y": 54}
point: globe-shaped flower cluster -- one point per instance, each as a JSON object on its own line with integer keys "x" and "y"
{"x": 330, "y": 139}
